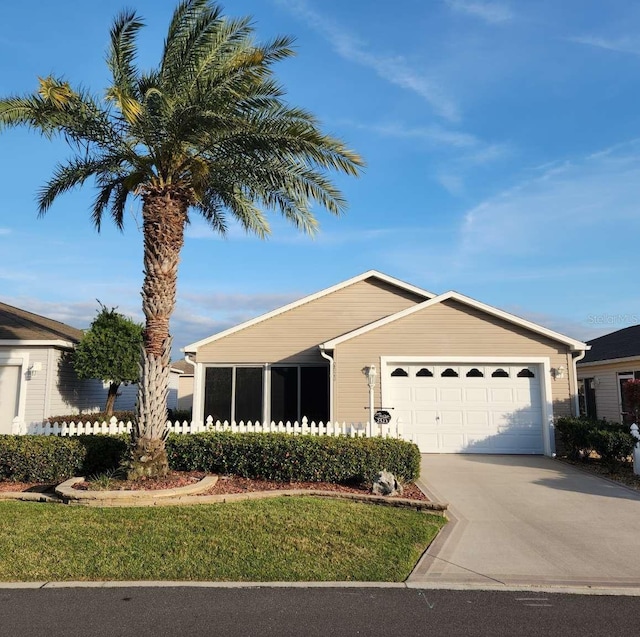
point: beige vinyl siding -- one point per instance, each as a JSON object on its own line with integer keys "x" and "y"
{"x": 606, "y": 390}
{"x": 294, "y": 336}
{"x": 445, "y": 329}
{"x": 185, "y": 392}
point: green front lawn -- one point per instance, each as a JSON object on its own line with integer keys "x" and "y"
{"x": 283, "y": 539}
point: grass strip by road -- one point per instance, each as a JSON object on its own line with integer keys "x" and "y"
{"x": 283, "y": 539}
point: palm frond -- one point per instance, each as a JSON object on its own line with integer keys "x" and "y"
{"x": 122, "y": 53}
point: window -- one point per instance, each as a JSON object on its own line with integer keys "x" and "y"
{"x": 233, "y": 393}
{"x": 526, "y": 373}
{"x": 284, "y": 394}
{"x": 500, "y": 373}
{"x": 425, "y": 372}
{"x": 300, "y": 391}
{"x": 217, "y": 393}
{"x": 474, "y": 373}
{"x": 625, "y": 410}
{"x": 398, "y": 371}
{"x": 248, "y": 395}
{"x": 314, "y": 393}
{"x": 449, "y": 373}
{"x": 236, "y": 393}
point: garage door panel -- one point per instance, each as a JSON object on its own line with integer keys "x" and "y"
{"x": 478, "y": 418}
{"x": 452, "y": 441}
{"x": 402, "y": 394}
{"x": 450, "y": 418}
{"x": 476, "y": 395}
{"x": 470, "y": 414}
{"x": 501, "y": 395}
{"x": 425, "y": 417}
{"x": 426, "y": 394}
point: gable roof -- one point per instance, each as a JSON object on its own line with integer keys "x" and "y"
{"x": 20, "y": 325}
{"x": 312, "y": 297}
{"x": 183, "y": 366}
{"x": 460, "y": 298}
{"x": 624, "y": 343}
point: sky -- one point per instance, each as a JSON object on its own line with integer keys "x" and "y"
{"x": 502, "y": 143}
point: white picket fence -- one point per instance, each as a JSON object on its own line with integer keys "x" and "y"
{"x": 295, "y": 428}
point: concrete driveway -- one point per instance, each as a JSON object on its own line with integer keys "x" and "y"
{"x": 529, "y": 520}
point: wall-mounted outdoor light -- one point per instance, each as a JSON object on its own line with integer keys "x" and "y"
{"x": 370, "y": 373}
{"x": 34, "y": 368}
{"x": 559, "y": 372}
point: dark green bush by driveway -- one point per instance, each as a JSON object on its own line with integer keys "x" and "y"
{"x": 612, "y": 441}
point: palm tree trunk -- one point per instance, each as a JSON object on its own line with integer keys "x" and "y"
{"x": 164, "y": 216}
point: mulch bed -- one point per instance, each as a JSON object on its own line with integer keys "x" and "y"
{"x": 624, "y": 474}
{"x": 225, "y": 485}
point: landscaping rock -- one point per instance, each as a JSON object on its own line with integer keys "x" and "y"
{"x": 385, "y": 483}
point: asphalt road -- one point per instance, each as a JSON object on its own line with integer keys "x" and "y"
{"x": 307, "y": 612}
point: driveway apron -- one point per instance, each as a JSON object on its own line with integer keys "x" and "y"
{"x": 529, "y": 520}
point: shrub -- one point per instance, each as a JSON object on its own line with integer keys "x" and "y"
{"x": 613, "y": 446}
{"x": 103, "y": 454}
{"x": 294, "y": 458}
{"x": 574, "y": 434}
{"x": 179, "y": 414}
{"x": 99, "y": 416}
{"x": 40, "y": 458}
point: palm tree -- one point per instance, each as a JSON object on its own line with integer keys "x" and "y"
{"x": 208, "y": 131}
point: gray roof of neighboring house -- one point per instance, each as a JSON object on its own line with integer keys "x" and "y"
{"x": 17, "y": 324}
{"x": 621, "y": 344}
{"x": 184, "y": 366}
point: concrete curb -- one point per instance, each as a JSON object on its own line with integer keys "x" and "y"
{"x": 75, "y": 496}
{"x": 66, "y": 494}
{"x": 30, "y": 496}
{"x": 530, "y": 588}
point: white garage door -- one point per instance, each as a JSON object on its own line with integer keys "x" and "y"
{"x": 468, "y": 408}
{"x": 9, "y": 387}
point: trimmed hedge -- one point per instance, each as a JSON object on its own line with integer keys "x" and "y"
{"x": 54, "y": 459}
{"x": 254, "y": 455}
{"x": 40, "y": 458}
{"x": 294, "y": 458}
{"x": 96, "y": 416}
{"x": 103, "y": 453}
{"x": 612, "y": 441}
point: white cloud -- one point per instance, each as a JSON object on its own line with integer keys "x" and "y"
{"x": 490, "y": 12}
{"x": 431, "y": 134}
{"x": 395, "y": 69}
{"x": 5, "y": 231}
{"x": 544, "y": 213}
{"x": 622, "y": 44}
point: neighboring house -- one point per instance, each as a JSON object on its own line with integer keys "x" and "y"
{"x": 455, "y": 375}
{"x": 36, "y": 376}
{"x": 182, "y": 376}
{"x": 613, "y": 360}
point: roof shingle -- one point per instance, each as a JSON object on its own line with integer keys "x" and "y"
{"x": 621, "y": 344}
{"x": 17, "y": 324}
